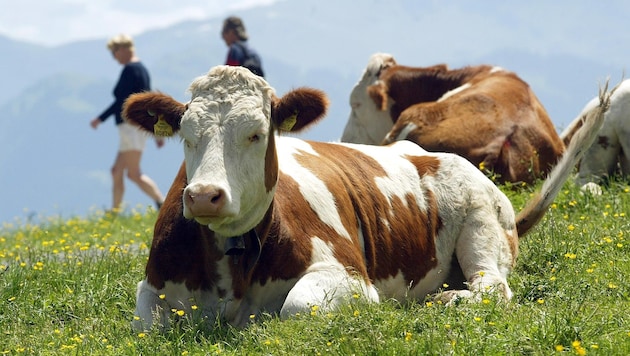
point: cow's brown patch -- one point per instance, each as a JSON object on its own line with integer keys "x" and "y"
{"x": 603, "y": 142}
{"x": 271, "y": 164}
{"x": 425, "y": 165}
{"x": 182, "y": 250}
{"x": 286, "y": 249}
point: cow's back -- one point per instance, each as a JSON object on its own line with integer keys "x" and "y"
{"x": 496, "y": 119}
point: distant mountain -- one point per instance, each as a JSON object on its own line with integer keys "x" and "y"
{"x": 52, "y": 162}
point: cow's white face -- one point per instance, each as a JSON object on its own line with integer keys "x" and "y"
{"x": 226, "y": 131}
{"x": 368, "y": 124}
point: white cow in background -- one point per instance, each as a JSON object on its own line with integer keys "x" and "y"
{"x": 610, "y": 153}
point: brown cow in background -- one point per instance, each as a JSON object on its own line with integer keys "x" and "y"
{"x": 486, "y": 114}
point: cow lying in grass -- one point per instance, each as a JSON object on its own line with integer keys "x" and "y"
{"x": 609, "y": 155}
{"x": 485, "y": 114}
{"x": 256, "y": 222}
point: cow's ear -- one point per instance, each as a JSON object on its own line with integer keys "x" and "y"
{"x": 378, "y": 93}
{"x": 298, "y": 109}
{"x": 155, "y": 113}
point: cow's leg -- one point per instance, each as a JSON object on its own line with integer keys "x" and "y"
{"x": 150, "y": 308}
{"x": 624, "y": 161}
{"x": 326, "y": 287}
{"x": 624, "y": 154}
{"x": 599, "y": 161}
{"x": 485, "y": 256}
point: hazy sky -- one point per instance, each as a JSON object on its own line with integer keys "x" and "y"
{"x": 580, "y": 27}
{"x": 54, "y": 22}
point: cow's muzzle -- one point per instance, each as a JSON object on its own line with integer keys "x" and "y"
{"x": 205, "y": 201}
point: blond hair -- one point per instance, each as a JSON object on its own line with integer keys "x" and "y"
{"x": 120, "y": 41}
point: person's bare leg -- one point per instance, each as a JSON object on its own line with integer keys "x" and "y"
{"x": 118, "y": 188}
{"x": 144, "y": 182}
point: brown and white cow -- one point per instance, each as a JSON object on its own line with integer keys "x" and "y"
{"x": 485, "y": 114}
{"x": 257, "y": 222}
{"x": 610, "y": 153}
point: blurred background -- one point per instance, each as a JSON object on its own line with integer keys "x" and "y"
{"x": 57, "y": 73}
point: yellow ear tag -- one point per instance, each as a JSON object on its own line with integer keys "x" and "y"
{"x": 162, "y": 128}
{"x": 289, "y": 122}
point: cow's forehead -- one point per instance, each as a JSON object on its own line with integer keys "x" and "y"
{"x": 226, "y": 92}
{"x": 222, "y": 81}
{"x": 225, "y": 104}
{"x": 208, "y": 118}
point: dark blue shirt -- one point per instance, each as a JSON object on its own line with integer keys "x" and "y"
{"x": 240, "y": 54}
{"x": 236, "y": 54}
{"x": 133, "y": 79}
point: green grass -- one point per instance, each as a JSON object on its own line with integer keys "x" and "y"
{"x": 67, "y": 286}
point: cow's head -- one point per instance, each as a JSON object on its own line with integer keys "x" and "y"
{"x": 368, "y": 123}
{"x": 227, "y": 129}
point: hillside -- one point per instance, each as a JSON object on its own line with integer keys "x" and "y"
{"x": 51, "y": 162}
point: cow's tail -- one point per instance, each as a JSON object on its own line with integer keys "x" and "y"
{"x": 575, "y": 126}
{"x": 589, "y": 125}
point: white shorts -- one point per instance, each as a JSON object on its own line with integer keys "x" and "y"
{"x": 131, "y": 138}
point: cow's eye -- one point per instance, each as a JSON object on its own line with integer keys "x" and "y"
{"x": 254, "y": 138}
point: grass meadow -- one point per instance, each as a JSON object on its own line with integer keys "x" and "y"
{"x": 67, "y": 286}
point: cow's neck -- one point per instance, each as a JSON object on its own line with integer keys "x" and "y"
{"x": 245, "y": 249}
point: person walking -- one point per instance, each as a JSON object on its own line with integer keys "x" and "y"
{"x": 240, "y": 53}
{"x": 134, "y": 78}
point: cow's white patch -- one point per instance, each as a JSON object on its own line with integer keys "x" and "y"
{"x": 611, "y": 151}
{"x": 450, "y": 93}
{"x": 410, "y": 127}
{"x": 326, "y": 283}
{"x": 401, "y": 176}
{"x": 259, "y": 299}
{"x": 396, "y": 286}
{"x": 154, "y": 308}
{"x": 313, "y": 189}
